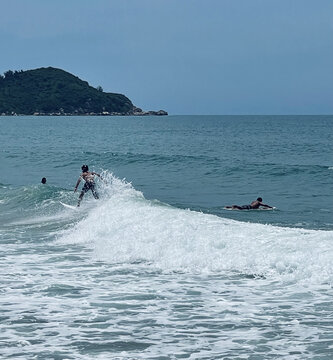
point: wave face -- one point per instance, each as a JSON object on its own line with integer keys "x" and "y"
{"x": 124, "y": 227}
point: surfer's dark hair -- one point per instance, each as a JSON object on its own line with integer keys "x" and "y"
{"x": 259, "y": 199}
{"x": 84, "y": 168}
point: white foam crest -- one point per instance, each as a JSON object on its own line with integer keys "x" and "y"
{"x": 125, "y": 227}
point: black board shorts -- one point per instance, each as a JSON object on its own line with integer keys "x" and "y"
{"x": 246, "y": 207}
{"x": 88, "y": 186}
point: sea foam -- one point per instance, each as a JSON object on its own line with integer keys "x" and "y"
{"x": 124, "y": 227}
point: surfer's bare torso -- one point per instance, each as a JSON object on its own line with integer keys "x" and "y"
{"x": 256, "y": 204}
{"x": 89, "y": 176}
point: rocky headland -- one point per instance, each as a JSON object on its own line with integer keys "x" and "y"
{"x": 51, "y": 91}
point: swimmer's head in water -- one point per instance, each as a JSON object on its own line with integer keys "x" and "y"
{"x": 43, "y": 180}
{"x": 84, "y": 168}
{"x": 259, "y": 199}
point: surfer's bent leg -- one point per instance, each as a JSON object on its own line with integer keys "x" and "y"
{"x": 80, "y": 198}
{"x": 84, "y": 190}
{"x": 94, "y": 191}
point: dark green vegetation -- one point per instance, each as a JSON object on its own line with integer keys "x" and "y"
{"x": 57, "y": 92}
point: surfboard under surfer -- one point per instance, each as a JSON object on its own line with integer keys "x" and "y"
{"x": 89, "y": 178}
{"x": 256, "y": 204}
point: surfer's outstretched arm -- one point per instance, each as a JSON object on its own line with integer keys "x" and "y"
{"x": 99, "y": 177}
{"x": 94, "y": 173}
{"x": 77, "y": 184}
{"x": 267, "y": 206}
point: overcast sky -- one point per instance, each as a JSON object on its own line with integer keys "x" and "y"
{"x": 184, "y": 56}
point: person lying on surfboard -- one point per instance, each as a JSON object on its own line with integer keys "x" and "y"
{"x": 89, "y": 178}
{"x": 254, "y": 205}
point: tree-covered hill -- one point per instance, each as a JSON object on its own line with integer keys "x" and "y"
{"x": 55, "y": 91}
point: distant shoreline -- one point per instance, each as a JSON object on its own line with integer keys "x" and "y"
{"x": 105, "y": 113}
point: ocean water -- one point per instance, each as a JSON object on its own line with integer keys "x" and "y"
{"x": 156, "y": 268}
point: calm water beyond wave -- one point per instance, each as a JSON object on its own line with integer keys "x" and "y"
{"x": 157, "y": 269}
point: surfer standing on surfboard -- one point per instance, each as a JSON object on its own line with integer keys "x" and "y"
{"x": 89, "y": 178}
{"x": 254, "y": 205}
